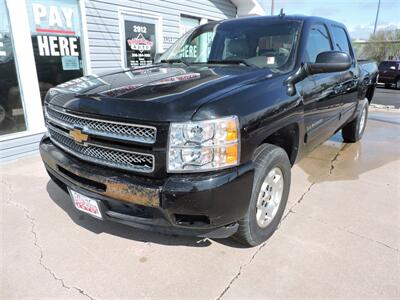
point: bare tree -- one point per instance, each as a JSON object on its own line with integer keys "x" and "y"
{"x": 383, "y": 45}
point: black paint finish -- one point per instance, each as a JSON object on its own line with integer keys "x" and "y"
{"x": 266, "y": 102}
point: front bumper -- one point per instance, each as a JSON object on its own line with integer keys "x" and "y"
{"x": 207, "y": 205}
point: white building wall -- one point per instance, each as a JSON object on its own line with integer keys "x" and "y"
{"x": 104, "y": 32}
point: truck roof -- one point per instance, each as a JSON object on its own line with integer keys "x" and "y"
{"x": 303, "y": 18}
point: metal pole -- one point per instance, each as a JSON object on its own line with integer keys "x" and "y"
{"x": 377, "y": 14}
{"x": 272, "y": 7}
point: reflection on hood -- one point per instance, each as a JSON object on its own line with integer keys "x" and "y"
{"x": 160, "y": 92}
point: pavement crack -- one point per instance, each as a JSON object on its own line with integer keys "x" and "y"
{"x": 230, "y": 283}
{"x": 335, "y": 158}
{"x": 241, "y": 268}
{"x": 32, "y": 220}
{"x": 306, "y": 192}
{"x": 371, "y": 240}
{"x": 356, "y": 234}
{"x": 290, "y": 210}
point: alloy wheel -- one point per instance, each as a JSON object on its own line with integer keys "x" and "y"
{"x": 270, "y": 197}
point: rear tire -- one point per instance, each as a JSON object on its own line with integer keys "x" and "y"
{"x": 269, "y": 196}
{"x": 398, "y": 84}
{"x": 354, "y": 131}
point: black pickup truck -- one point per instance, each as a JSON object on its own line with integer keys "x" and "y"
{"x": 202, "y": 142}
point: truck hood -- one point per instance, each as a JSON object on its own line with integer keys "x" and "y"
{"x": 154, "y": 93}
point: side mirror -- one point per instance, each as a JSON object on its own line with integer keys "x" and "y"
{"x": 326, "y": 62}
{"x": 329, "y": 61}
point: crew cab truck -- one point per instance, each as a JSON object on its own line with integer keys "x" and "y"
{"x": 202, "y": 142}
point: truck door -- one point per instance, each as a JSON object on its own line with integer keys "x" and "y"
{"x": 350, "y": 77}
{"x": 322, "y": 99}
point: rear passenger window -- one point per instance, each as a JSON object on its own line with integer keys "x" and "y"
{"x": 341, "y": 40}
{"x": 318, "y": 41}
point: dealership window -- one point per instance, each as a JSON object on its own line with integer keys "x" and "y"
{"x": 188, "y": 23}
{"x": 56, "y": 38}
{"x": 12, "y": 117}
{"x": 140, "y": 45}
{"x": 142, "y": 37}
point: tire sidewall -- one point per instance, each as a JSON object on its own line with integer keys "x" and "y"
{"x": 264, "y": 164}
{"x": 364, "y": 107}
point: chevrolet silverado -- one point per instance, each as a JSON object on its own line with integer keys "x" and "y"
{"x": 202, "y": 141}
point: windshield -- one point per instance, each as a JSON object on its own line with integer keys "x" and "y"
{"x": 259, "y": 43}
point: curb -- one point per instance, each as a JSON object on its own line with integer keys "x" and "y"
{"x": 381, "y": 107}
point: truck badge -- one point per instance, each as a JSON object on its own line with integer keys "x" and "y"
{"x": 78, "y": 136}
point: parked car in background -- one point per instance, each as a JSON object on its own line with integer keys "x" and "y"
{"x": 389, "y": 73}
{"x": 203, "y": 141}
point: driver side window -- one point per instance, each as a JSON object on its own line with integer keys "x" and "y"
{"x": 318, "y": 41}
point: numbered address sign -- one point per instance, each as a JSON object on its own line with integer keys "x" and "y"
{"x": 140, "y": 43}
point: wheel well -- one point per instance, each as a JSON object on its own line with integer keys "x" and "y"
{"x": 288, "y": 139}
{"x": 370, "y": 93}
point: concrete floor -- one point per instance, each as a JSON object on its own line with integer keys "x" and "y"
{"x": 387, "y": 97}
{"x": 340, "y": 237}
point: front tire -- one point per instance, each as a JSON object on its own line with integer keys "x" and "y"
{"x": 269, "y": 196}
{"x": 353, "y": 131}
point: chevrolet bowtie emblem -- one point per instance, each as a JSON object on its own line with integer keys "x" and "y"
{"x": 78, "y": 136}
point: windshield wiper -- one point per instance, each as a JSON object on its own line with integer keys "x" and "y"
{"x": 175, "y": 60}
{"x": 227, "y": 62}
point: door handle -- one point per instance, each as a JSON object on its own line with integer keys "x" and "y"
{"x": 338, "y": 89}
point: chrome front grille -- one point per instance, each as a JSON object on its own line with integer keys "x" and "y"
{"x": 116, "y": 130}
{"x": 100, "y": 154}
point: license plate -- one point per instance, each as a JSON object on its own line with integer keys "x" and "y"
{"x": 86, "y": 204}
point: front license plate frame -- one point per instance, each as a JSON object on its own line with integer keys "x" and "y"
{"x": 86, "y": 204}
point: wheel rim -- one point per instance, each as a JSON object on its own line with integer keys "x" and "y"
{"x": 362, "y": 120}
{"x": 270, "y": 197}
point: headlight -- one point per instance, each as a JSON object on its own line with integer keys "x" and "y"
{"x": 203, "y": 146}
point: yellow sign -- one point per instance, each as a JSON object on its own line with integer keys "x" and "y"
{"x": 78, "y": 136}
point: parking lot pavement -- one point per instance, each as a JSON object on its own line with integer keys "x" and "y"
{"x": 387, "y": 97}
{"x": 340, "y": 237}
